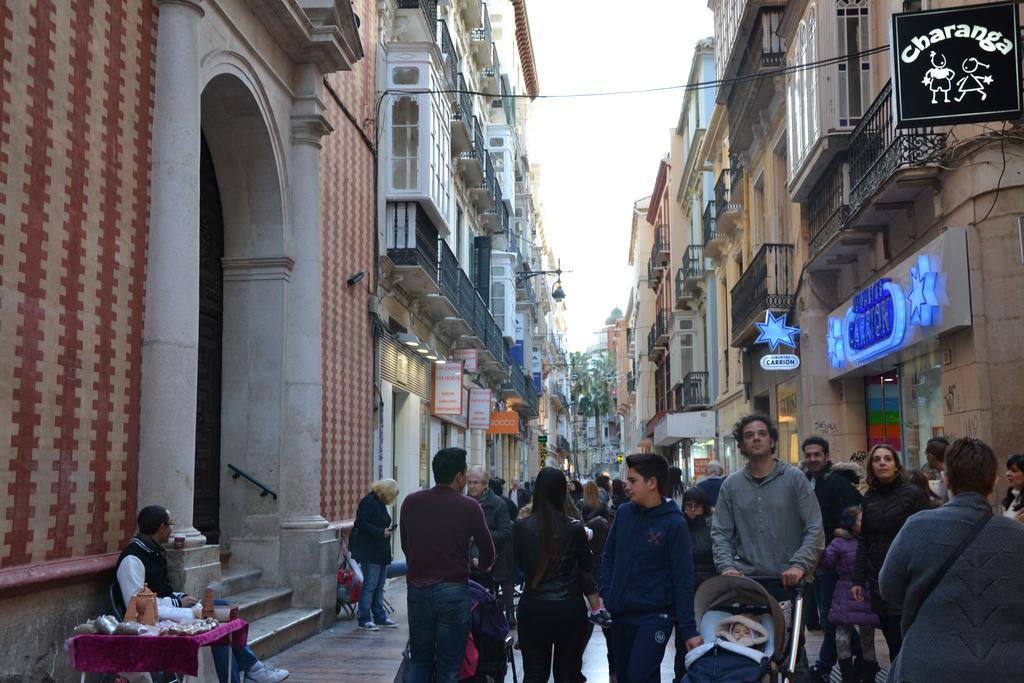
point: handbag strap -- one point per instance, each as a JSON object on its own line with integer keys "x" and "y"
{"x": 950, "y": 561}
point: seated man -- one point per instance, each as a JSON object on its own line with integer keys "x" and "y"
{"x": 144, "y": 561}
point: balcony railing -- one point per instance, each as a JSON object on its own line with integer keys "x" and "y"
{"x": 651, "y": 335}
{"x": 708, "y": 220}
{"x": 827, "y": 206}
{"x": 661, "y": 325}
{"x": 695, "y": 390}
{"x": 736, "y": 176}
{"x": 411, "y": 238}
{"x": 654, "y": 268}
{"x": 448, "y": 275}
{"x": 482, "y": 36}
{"x": 448, "y": 52}
{"x": 724, "y": 203}
{"x": 877, "y": 149}
{"x": 681, "y": 292}
{"x": 429, "y": 9}
{"x": 693, "y": 262}
{"x": 661, "y": 241}
{"x": 765, "y": 285}
{"x": 766, "y": 50}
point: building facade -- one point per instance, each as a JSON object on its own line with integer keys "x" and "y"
{"x": 895, "y": 250}
{"x": 181, "y": 212}
{"x": 469, "y": 293}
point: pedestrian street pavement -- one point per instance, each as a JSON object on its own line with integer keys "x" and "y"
{"x": 344, "y": 653}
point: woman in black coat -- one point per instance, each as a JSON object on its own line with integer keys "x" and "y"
{"x": 697, "y": 513}
{"x": 888, "y": 503}
{"x": 371, "y": 547}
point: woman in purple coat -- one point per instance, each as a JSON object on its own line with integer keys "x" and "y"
{"x": 846, "y": 612}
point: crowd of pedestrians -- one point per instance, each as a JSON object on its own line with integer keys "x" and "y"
{"x": 927, "y": 565}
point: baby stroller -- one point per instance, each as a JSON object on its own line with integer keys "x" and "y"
{"x": 489, "y": 633}
{"x": 721, "y": 599}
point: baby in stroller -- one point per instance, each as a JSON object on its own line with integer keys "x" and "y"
{"x": 744, "y": 631}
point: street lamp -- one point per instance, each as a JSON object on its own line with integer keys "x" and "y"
{"x": 557, "y": 293}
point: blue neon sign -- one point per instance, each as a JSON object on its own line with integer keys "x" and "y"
{"x": 881, "y": 315}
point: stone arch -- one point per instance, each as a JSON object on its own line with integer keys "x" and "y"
{"x": 239, "y": 128}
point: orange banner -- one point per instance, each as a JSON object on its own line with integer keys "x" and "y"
{"x": 504, "y": 423}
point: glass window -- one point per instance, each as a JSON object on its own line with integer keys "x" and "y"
{"x": 405, "y": 143}
{"x": 788, "y": 447}
{"x": 405, "y": 75}
{"x": 854, "y": 73}
{"x": 921, "y": 404}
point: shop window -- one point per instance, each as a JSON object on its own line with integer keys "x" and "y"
{"x": 921, "y": 405}
{"x": 788, "y": 446}
{"x": 405, "y": 143}
{"x": 882, "y": 397}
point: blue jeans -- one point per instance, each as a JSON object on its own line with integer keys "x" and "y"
{"x": 824, "y": 588}
{"x": 244, "y": 658}
{"x": 438, "y": 629}
{"x": 371, "y": 599}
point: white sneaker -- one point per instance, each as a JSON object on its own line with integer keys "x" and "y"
{"x": 264, "y": 673}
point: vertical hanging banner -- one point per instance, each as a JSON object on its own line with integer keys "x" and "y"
{"x": 470, "y": 358}
{"x": 956, "y": 65}
{"x": 448, "y": 388}
{"x": 515, "y": 351}
{"x": 479, "y": 409}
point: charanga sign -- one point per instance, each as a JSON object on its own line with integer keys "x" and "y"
{"x": 957, "y": 65}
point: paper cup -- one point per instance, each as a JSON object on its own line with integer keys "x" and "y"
{"x": 222, "y": 612}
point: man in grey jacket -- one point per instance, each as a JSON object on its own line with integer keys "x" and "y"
{"x": 767, "y": 521}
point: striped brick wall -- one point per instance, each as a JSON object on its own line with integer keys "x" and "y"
{"x": 76, "y": 95}
{"x": 348, "y": 220}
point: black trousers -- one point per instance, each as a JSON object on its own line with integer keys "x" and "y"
{"x": 552, "y": 632}
{"x": 893, "y": 633}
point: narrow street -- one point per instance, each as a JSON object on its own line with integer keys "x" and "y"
{"x": 344, "y": 653}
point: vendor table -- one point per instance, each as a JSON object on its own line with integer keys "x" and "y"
{"x": 130, "y": 654}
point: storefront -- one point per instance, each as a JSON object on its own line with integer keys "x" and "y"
{"x": 890, "y": 337}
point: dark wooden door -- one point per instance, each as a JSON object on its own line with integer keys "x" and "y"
{"x": 211, "y": 317}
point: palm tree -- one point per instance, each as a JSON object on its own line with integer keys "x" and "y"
{"x": 594, "y": 388}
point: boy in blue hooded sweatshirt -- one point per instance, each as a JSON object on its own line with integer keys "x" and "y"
{"x": 647, "y": 574}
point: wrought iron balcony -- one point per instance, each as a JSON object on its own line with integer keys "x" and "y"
{"x": 481, "y": 39}
{"x": 472, "y": 161}
{"x": 448, "y": 52}
{"x": 412, "y": 242}
{"x": 695, "y": 390}
{"x": 726, "y": 209}
{"x": 630, "y": 382}
{"x": 878, "y": 150}
{"x": 765, "y": 49}
{"x": 661, "y": 250}
{"x": 712, "y": 240}
{"x": 827, "y": 206}
{"x": 764, "y": 286}
{"x": 654, "y": 271}
{"x": 462, "y": 117}
{"x": 693, "y": 264}
{"x": 429, "y": 9}
{"x": 736, "y": 177}
{"x": 661, "y": 327}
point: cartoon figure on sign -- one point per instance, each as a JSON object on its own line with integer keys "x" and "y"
{"x": 972, "y": 83}
{"x": 939, "y": 78}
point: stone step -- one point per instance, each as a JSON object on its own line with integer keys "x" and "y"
{"x": 276, "y": 632}
{"x": 235, "y": 580}
{"x": 259, "y": 602}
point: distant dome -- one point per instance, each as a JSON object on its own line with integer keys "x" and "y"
{"x": 615, "y": 316}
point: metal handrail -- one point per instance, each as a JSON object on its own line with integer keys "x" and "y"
{"x": 239, "y": 473}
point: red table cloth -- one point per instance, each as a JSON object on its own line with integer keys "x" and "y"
{"x": 124, "y": 654}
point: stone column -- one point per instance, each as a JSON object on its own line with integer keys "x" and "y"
{"x": 170, "y": 341}
{"x": 306, "y": 542}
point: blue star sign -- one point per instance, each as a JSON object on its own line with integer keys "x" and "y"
{"x": 774, "y": 331}
{"x": 922, "y": 297}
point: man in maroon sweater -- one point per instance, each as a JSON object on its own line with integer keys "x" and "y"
{"x": 438, "y": 526}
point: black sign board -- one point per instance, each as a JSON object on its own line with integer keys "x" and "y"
{"x": 957, "y": 65}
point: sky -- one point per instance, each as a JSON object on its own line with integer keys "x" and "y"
{"x": 598, "y": 155}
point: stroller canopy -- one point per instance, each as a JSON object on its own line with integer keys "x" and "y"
{"x": 719, "y": 591}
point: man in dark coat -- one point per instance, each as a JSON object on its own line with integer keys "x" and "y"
{"x": 504, "y": 568}
{"x": 834, "y": 493}
{"x": 498, "y": 522}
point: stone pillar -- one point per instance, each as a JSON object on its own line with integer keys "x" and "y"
{"x": 170, "y": 341}
{"x": 306, "y": 542}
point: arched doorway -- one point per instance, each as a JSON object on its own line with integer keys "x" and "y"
{"x": 244, "y": 273}
{"x": 206, "y": 504}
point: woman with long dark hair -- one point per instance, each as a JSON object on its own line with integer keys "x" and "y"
{"x": 552, "y": 551}
{"x": 1013, "y": 503}
{"x": 675, "y": 487}
{"x": 888, "y": 503}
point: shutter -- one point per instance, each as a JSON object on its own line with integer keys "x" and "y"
{"x": 482, "y": 276}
